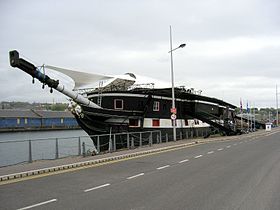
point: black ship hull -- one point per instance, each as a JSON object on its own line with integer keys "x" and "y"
{"x": 142, "y": 110}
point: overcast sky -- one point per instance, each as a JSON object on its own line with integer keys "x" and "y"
{"x": 232, "y": 51}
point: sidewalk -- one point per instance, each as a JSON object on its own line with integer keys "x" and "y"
{"x": 40, "y": 164}
{"x": 46, "y": 166}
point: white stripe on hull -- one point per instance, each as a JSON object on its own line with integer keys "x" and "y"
{"x": 180, "y": 123}
{"x": 163, "y": 123}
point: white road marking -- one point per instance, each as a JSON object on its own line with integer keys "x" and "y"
{"x": 220, "y": 149}
{"x": 198, "y": 156}
{"x": 229, "y": 146}
{"x": 98, "y": 187}
{"x": 235, "y": 144}
{"x": 211, "y": 152}
{"x": 162, "y": 167}
{"x": 38, "y": 204}
{"x": 182, "y": 161}
{"x": 137, "y": 175}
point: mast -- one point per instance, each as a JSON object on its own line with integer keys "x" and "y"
{"x": 29, "y": 68}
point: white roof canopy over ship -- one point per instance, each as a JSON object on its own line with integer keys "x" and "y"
{"x": 87, "y": 81}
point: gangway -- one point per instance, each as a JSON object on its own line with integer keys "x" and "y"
{"x": 213, "y": 120}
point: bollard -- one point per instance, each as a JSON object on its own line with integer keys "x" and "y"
{"x": 98, "y": 144}
{"x": 56, "y": 149}
{"x": 114, "y": 143}
{"x": 181, "y": 135}
{"x": 79, "y": 146}
{"x": 157, "y": 138}
{"x": 30, "y": 152}
{"x": 132, "y": 143}
{"x": 140, "y": 143}
{"x": 166, "y": 137}
{"x": 84, "y": 149}
{"x": 191, "y": 133}
{"x": 151, "y": 139}
{"x": 127, "y": 141}
{"x": 160, "y": 140}
{"x": 110, "y": 144}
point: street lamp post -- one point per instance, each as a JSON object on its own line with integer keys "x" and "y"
{"x": 173, "y": 110}
{"x": 277, "y": 107}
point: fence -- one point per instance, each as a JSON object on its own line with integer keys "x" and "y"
{"x": 14, "y": 152}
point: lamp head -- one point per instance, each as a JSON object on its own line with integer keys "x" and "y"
{"x": 182, "y": 45}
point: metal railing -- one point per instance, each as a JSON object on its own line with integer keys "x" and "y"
{"x": 130, "y": 140}
{"x": 20, "y": 151}
{"x": 15, "y": 152}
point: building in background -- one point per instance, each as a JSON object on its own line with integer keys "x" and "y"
{"x": 20, "y": 120}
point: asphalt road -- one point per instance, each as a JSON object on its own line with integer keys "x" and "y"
{"x": 237, "y": 174}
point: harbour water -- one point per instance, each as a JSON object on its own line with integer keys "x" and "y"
{"x": 16, "y": 147}
{"x": 31, "y": 135}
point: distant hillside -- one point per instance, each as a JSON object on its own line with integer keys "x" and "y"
{"x": 263, "y": 114}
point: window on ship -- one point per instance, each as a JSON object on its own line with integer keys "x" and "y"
{"x": 118, "y": 104}
{"x": 156, "y": 123}
{"x": 156, "y": 106}
{"x": 133, "y": 123}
